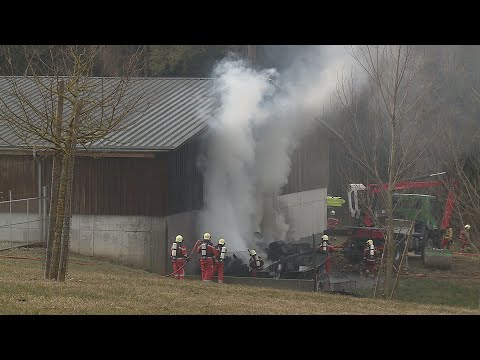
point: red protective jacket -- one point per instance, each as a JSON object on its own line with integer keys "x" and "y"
{"x": 207, "y": 253}
{"x": 218, "y": 251}
{"x": 332, "y": 222}
{"x": 368, "y": 256}
{"x": 179, "y": 257}
{"x": 464, "y": 240}
{"x": 325, "y": 247}
{"x": 369, "y": 259}
{"x": 180, "y": 253}
{"x": 219, "y": 261}
{"x": 256, "y": 264}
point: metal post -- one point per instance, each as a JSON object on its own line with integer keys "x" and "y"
{"x": 10, "y": 218}
{"x": 166, "y": 256}
{"x": 44, "y": 215}
{"x": 314, "y": 265}
{"x": 39, "y": 181}
{"x": 28, "y": 223}
{"x": 252, "y": 53}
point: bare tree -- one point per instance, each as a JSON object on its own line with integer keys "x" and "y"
{"x": 463, "y": 165}
{"x": 457, "y": 149}
{"x": 383, "y": 130}
{"x": 56, "y": 107}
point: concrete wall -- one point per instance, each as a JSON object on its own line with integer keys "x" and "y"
{"x": 130, "y": 240}
{"x": 305, "y": 211}
{"x": 185, "y": 224}
{"x": 144, "y": 241}
{"x": 25, "y": 229}
{"x": 138, "y": 241}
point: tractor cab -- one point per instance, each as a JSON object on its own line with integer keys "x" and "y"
{"x": 423, "y": 208}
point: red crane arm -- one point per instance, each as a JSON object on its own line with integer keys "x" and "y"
{"x": 404, "y": 185}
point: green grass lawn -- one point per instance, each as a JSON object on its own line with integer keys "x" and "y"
{"x": 101, "y": 287}
{"x": 439, "y": 292}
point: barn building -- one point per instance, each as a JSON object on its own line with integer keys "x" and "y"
{"x": 135, "y": 191}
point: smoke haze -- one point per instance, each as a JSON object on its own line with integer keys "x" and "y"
{"x": 263, "y": 116}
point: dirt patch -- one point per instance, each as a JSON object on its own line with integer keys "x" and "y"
{"x": 463, "y": 268}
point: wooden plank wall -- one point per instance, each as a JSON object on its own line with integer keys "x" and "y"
{"x": 17, "y": 173}
{"x": 309, "y": 163}
{"x": 103, "y": 186}
{"x": 185, "y": 191}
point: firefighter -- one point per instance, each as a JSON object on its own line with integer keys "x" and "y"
{"x": 465, "y": 238}
{"x": 326, "y": 248}
{"x": 447, "y": 238}
{"x": 207, "y": 253}
{"x": 220, "y": 251}
{"x": 179, "y": 256}
{"x": 332, "y": 222}
{"x": 369, "y": 257}
{"x": 256, "y": 263}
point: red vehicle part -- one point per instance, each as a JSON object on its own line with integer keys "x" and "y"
{"x": 406, "y": 185}
{"x": 358, "y": 235}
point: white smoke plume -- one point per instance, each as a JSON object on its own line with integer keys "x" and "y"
{"x": 262, "y": 119}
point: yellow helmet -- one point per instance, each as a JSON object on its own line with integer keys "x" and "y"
{"x": 467, "y": 227}
{"x": 370, "y": 242}
{"x": 253, "y": 252}
{"x": 207, "y": 236}
{"x": 179, "y": 239}
{"x": 221, "y": 242}
{"x": 325, "y": 237}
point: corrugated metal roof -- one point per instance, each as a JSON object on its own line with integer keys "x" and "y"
{"x": 169, "y": 111}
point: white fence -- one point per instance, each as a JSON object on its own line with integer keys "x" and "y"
{"x": 23, "y": 221}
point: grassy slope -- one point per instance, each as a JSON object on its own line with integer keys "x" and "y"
{"x": 438, "y": 292}
{"x": 459, "y": 286}
{"x": 98, "y": 287}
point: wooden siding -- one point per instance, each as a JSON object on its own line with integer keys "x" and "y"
{"x": 309, "y": 163}
{"x": 185, "y": 191}
{"x": 168, "y": 184}
{"x": 105, "y": 186}
{"x": 120, "y": 186}
{"x": 18, "y": 173}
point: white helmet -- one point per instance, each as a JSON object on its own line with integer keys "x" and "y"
{"x": 332, "y": 212}
{"x": 179, "y": 239}
{"x": 221, "y": 242}
{"x": 325, "y": 237}
{"x": 207, "y": 236}
{"x": 253, "y": 252}
{"x": 467, "y": 227}
{"x": 370, "y": 242}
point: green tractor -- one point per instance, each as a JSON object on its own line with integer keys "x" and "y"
{"x": 431, "y": 219}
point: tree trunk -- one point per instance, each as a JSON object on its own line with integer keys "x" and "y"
{"x": 60, "y": 217}
{"x": 390, "y": 241}
{"x": 389, "y": 246}
{"x": 67, "y": 221}
{"x": 68, "y": 197}
{"x": 56, "y": 173}
{"x": 404, "y": 254}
